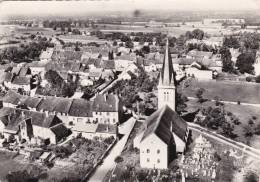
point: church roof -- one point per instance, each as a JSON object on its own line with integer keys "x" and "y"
{"x": 167, "y": 73}
{"x": 163, "y": 123}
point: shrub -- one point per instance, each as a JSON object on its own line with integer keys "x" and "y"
{"x": 119, "y": 159}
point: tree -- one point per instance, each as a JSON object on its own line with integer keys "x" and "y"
{"x": 119, "y": 159}
{"x": 251, "y": 177}
{"x": 245, "y": 62}
{"x": 231, "y": 42}
{"x": 199, "y": 94}
{"x": 257, "y": 79}
{"x": 129, "y": 44}
{"x": 115, "y": 43}
{"x": 198, "y": 34}
{"x": 228, "y": 65}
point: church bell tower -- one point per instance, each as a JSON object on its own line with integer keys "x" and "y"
{"x": 166, "y": 87}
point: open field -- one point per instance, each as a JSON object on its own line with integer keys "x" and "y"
{"x": 225, "y": 90}
{"x": 243, "y": 113}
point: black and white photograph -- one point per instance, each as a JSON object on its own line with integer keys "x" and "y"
{"x": 130, "y": 91}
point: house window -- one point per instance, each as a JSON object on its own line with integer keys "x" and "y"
{"x": 80, "y": 119}
{"x": 158, "y": 161}
{"x": 108, "y": 113}
{"x": 96, "y": 113}
{"x": 148, "y": 150}
{"x": 148, "y": 160}
{"x": 114, "y": 120}
{"x": 158, "y": 151}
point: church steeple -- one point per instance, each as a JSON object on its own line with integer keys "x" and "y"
{"x": 166, "y": 87}
{"x": 167, "y": 73}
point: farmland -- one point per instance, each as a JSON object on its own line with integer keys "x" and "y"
{"x": 226, "y": 91}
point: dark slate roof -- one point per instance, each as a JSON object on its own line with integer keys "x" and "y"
{"x": 31, "y": 102}
{"x": 47, "y": 104}
{"x": 21, "y": 80}
{"x": 106, "y": 128}
{"x": 109, "y": 64}
{"x": 62, "y": 104}
{"x": 41, "y": 119}
{"x": 12, "y": 97}
{"x": 60, "y": 131}
{"x": 106, "y": 103}
{"x": 160, "y": 123}
{"x": 81, "y": 108}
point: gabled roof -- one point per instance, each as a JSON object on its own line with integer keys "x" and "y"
{"x": 12, "y": 97}
{"x": 106, "y": 128}
{"x": 31, "y": 102}
{"x": 60, "y": 131}
{"x": 23, "y": 71}
{"x": 163, "y": 123}
{"x": 105, "y": 103}
{"x": 21, "y": 80}
{"x": 109, "y": 64}
{"x": 9, "y": 77}
{"x": 81, "y": 108}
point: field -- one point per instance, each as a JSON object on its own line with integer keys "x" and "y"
{"x": 226, "y": 91}
{"x": 243, "y": 113}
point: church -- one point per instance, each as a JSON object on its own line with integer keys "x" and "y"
{"x": 165, "y": 134}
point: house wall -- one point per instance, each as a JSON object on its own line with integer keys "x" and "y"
{"x": 37, "y": 70}
{"x": 44, "y": 133}
{"x": 180, "y": 144}
{"x": 77, "y": 120}
{"x": 106, "y": 117}
{"x": 2, "y": 126}
{"x": 153, "y": 153}
{"x": 5, "y": 104}
{"x": 199, "y": 74}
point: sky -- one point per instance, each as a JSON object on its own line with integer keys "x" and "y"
{"x": 8, "y": 8}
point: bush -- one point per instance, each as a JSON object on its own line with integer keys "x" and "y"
{"x": 119, "y": 159}
{"x": 257, "y": 79}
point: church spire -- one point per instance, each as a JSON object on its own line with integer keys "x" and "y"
{"x": 167, "y": 73}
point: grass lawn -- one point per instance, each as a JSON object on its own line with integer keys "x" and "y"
{"x": 228, "y": 91}
{"x": 243, "y": 113}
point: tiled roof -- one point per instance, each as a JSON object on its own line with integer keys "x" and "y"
{"x": 109, "y": 64}
{"x": 31, "y": 102}
{"x": 60, "y": 131}
{"x": 12, "y": 97}
{"x": 9, "y": 77}
{"x": 106, "y": 128}
{"x": 81, "y": 108}
{"x": 21, "y": 80}
{"x": 161, "y": 122}
{"x": 106, "y": 103}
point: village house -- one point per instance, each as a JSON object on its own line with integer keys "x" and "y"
{"x": 165, "y": 132}
{"x": 195, "y": 54}
{"x": 32, "y": 126}
{"x": 23, "y": 83}
{"x": 195, "y": 71}
{"x": 46, "y": 56}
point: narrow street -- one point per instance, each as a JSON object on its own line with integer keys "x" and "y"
{"x": 108, "y": 162}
